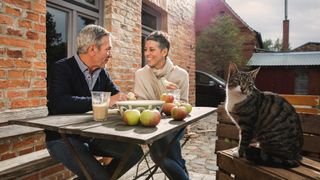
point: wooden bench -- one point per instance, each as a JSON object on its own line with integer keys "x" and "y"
{"x": 23, "y": 155}
{"x": 228, "y": 136}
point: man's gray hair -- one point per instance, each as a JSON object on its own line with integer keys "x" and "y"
{"x": 89, "y": 35}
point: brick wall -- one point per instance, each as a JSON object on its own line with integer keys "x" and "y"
{"x": 123, "y": 19}
{"x": 22, "y": 59}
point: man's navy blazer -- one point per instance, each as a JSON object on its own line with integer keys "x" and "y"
{"x": 68, "y": 91}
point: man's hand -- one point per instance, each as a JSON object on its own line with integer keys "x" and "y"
{"x": 118, "y": 97}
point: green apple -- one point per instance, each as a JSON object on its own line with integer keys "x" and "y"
{"x": 188, "y": 106}
{"x": 166, "y": 108}
{"x": 150, "y": 117}
{"x": 131, "y": 117}
{"x": 179, "y": 113}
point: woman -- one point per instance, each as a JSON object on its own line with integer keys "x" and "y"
{"x": 151, "y": 81}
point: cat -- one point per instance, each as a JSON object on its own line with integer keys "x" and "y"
{"x": 265, "y": 116}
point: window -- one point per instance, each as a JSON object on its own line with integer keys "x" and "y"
{"x": 150, "y": 20}
{"x": 301, "y": 83}
{"x": 64, "y": 20}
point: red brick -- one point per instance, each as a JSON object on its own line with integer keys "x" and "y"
{"x": 14, "y": 83}
{"x": 32, "y": 16}
{"x": 26, "y": 151}
{"x": 7, "y": 63}
{"x": 13, "y": 11}
{"x": 41, "y": 28}
{"x": 6, "y": 19}
{"x": 20, "y": 3}
{"x": 41, "y": 74}
{"x": 39, "y": 147}
{"x": 1, "y": 105}
{"x": 52, "y": 170}
{"x": 39, "y": 84}
{"x": 4, "y": 148}
{"x": 43, "y": 19}
{"x": 2, "y": 51}
{"x": 4, "y": 40}
{"x": 30, "y": 54}
{"x": 14, "y": 32}
{"x": 37, "y": 93}
{"x": 11, "y": 94}
{"x": 39, "y": 7}
{"x": 25, "y": 23}
{"x": 14, "y": 53}
{"x": 32, "y": 35}
{"x": 2, "y": 74}
{"x": 39, "y": 46}
{"x": 22, "y": 64}
{"x": 7, "y": 156}
{"x": 40, "y": 65}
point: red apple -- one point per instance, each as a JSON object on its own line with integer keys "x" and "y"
{"x": 168, "y": 98}
{"x": 188, "y": 106}
{"x": 179, "y": 113}
{"x": 166, "y": 108}
{"x": 150, "y": 117}
{"x": 131, "y": 117}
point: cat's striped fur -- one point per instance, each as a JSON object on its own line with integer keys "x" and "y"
{"x": 265, "y": 116}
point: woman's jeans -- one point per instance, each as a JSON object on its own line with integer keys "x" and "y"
{"x": 87, "y": 149}
{"x": 173, "y": 165}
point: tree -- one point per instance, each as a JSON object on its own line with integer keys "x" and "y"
{"x": 219, "y": 44}
{"x": 273, "y": 46}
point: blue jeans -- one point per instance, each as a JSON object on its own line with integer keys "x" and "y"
{"x": 173, "y": 165}
{"x": 87, "y": 149}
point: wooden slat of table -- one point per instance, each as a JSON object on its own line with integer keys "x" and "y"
{"x": 117, "y": 130}
{"x": 54, "y": 122}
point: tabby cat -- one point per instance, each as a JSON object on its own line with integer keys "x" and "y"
{"x": 265, "y": 116}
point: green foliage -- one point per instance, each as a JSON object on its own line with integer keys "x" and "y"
{"x": 273, "y": 46}
{"x": 221, "y": 43}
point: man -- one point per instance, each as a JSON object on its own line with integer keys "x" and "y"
{"x": 70, "y": 82}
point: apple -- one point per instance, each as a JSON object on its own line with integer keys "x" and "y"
{"x": 150, "y": 117}
{"x": 168, "y": 98}
{"x": 179, "y": 113}
{"x": 131, "y": 117}
{"x": 188, "y": 106}
{"x": 166, "y": 108}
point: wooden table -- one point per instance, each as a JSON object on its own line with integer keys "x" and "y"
{"x": 113, "y": 128}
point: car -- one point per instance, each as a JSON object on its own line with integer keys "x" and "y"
{"x": 210, "y": 89}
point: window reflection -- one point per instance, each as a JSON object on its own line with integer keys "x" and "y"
{"x": 56, "y": 24}
{"x": 82, "y": 22}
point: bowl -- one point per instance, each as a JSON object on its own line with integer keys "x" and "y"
{"x": 140, "y": 105}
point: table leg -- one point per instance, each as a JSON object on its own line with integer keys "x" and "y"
{"x": 158, "y": 161}
{"x": 76, "y": 156}
{"x": 124, "y": 159}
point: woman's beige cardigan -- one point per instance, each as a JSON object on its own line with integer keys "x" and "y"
{"x": 149, "y": 86}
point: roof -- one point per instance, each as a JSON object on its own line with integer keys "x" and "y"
{"x": 285, "y": 59}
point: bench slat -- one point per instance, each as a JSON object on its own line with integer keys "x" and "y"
{"x": 9, "y": 131}
{"x": 307, "y": 100}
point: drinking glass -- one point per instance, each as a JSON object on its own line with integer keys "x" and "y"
{"x": 100, "y": 104}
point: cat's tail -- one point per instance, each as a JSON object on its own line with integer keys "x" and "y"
{"x": 260, "y": 158}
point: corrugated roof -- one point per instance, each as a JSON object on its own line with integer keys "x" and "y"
{"x": 285, "y": 59}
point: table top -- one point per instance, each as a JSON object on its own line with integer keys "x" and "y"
{"x": 114, "y": 128}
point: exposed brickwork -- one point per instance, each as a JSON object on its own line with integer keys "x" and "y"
{"x": 123, "y": 20}
{"x": 21, "y": 49}
{"x": 20, "y": 145}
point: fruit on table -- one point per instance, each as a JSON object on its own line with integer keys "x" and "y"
{"x": 168, "y": 98}
{"x": 188, "y": 106}
{"x": 131, "y": 117}
{"x": 150, "y": 117}
{"x": 166, "y": 108}
{"x": 131, "y": 96}
{"x": 179, "y": 113}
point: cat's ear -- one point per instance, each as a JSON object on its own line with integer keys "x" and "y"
{"x": 233, "y": 68}
{"x": 254, "y": 73}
